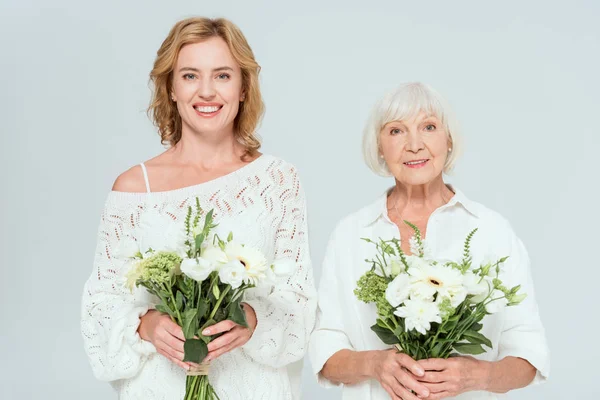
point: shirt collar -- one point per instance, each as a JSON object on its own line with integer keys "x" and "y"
{"x": 378, "y": 209}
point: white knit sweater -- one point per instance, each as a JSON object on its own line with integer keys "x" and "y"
{"x": 263, "y": 204}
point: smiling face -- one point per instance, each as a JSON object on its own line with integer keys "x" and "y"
{"x": 415, "y": 149}
{"x": 207, "y": 87}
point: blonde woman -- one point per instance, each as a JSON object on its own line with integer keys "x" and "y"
{"x": 412, "y": 138}
{"x": 206, "y": 105}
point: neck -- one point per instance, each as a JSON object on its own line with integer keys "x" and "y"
{"x": 419, "y": 200}
{"x": 207, "y": 149}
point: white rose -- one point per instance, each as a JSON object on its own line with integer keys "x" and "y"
{"x": 198, "y": 270}
{"x": 233, "y": 273}
{"x": 398, "y": 290}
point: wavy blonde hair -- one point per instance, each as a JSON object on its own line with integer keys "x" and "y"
{"x": 163, "y": 110}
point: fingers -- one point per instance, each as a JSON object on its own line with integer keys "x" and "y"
{"x": 391, "y": 392}
{"x": 413, "y": 366}
{"x": 220, "y": 327}
{"x": 408, "y": 381}
{"x": 173, "y": 328}
{"x": 402, "y": 392}
{"x": 222, "y": 350}
{"x": 223, "y": 340}
{"x": 433, "y": 364}
{"x": 176, "y": 359}
{"x": 432, "y": 377}
{"x": 231, "y": 340}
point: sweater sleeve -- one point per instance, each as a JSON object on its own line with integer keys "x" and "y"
{"x": 286, "y": 314}
{"x": 110, "y": 313}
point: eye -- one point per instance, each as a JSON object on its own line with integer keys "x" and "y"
{"x": 395, "y": 131}
{"x": 430, "y": 127}
{"x": 223, "y": 76}
{"x": 189, "y": 77}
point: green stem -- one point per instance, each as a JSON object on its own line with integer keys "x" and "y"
{"x": 214, "y": 311}
{"x": 180, "y": 320}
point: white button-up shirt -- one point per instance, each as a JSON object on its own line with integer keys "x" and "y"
{"x": 344, "y": 322}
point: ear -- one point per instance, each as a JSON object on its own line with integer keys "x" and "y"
{"x": 243, "y": 96}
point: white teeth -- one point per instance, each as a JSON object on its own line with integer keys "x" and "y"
{"x": 415, "y": 162}
{"x": 207, "y": 109}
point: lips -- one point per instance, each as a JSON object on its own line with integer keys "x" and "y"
{"x": 416, "y": 163}
{"x": 208, "y": 109}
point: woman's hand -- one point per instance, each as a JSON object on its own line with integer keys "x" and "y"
{"x": 456, "y": 375}
{"x": 166, "y": 336}
{"x": 235, "y": 336}
{"x": 398, "y": 374}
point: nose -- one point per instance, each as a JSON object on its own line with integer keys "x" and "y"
{"x": 206, "y": 91}
{"x": 414, "y": 142}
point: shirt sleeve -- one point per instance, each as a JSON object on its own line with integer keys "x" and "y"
{"x": 329, "y": 335}
{"x": 522, "y": 334}
{"x": 286, "y": 313}
{"x": 110, "y": 314}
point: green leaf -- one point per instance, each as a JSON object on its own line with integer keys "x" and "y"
{"x": 385, "y": 335}
{"x": 190, "y": 323}
{"x": 475, "y": 327}
{"x": 230, "y": 237}
{"x": 477, "y": 338}
{"x": 195, "y": 350}
{"x": 164, "y": 309}
{"x": 206, "y": 339}
{"x": 209, "y": 218}
{"x": 468, "y": 348}
{"x": 237, "y": 315}
{"x": 199, "y": 240}
{"x": 449, "y": 324}
{"x": 202, "y": 308}
{"x": 179, "y": 300}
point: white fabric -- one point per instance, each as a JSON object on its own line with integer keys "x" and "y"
{"x": 146, "y": 180}
{"x": 263, "y": 203}
{"x": 343, "y": 322}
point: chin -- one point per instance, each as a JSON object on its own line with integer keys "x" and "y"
{"x": 416, "y": 179}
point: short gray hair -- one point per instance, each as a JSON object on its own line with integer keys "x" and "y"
{"x": 407, "y": 101}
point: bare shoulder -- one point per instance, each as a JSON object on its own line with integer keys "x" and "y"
{"x": 131, "y": 180}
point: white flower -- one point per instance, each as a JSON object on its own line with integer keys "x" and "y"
{"x": 432, "y": 279}
{"x": 132, "y": 273}
{"x": 198, "y": 269}
{"x": 476, "y": 286}
{"x": 160, "y": 232}
{"x": 415, "y": 248}
{"x": 233, "y": 273}
{"x": 496, "y": 305}
{"x": 250, "y": 258}
{"x": 416, "y": 262}
{"x": 215, "y": 255}
{"x": 398, "y": 290}
{"x": 419, "y": 314}
{"x": 394, "y": 267}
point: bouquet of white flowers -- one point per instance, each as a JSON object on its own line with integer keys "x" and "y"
{"x": 432, "y": 308}
{"x": 199, "y": 279}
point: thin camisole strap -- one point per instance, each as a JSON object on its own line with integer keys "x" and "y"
{"x": 145, "y": 177}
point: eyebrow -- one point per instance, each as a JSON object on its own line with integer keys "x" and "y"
{"x": 198, "y": 71}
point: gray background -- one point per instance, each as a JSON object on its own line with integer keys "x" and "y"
{"x": 522, "y": 76}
